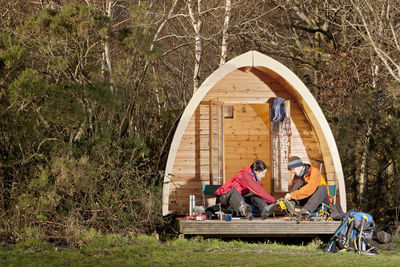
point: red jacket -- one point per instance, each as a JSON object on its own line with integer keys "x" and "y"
{"x": 244, "y": 183}
{"x": 312, "y": 179}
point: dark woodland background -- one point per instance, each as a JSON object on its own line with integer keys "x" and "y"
{"x": 89, "y": 91}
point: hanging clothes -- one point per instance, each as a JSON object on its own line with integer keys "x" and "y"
{"x": 278, "y": 112}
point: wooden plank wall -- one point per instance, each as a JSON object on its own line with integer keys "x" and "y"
{"x": 304, "y": 142}
{"x": 192, "y": 166}
{"x": 246, "y": 137}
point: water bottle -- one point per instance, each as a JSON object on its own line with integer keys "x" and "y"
{"x": 192, "y": 204}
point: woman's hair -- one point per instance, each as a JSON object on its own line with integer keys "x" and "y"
{"x": 258, "y": 166}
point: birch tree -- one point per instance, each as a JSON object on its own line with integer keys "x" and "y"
{"x": 225, "y": 34}
{"x": 378, "y": 23}
{"x": 197, "y": 23}
{"x": 141, "y": 73}
{"x": 107, "y": 65}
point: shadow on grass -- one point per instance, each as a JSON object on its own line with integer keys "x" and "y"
{"x": 278, "y": 240}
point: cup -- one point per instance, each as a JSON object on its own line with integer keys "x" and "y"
{"x": 228, "y": 217}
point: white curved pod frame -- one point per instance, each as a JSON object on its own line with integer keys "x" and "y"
{"x": 308, "y": 103}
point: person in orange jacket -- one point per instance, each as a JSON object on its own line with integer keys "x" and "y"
{"x": 244, "y": 188}
{"x": 309, "y": 188}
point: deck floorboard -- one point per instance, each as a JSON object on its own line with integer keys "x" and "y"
{"x": 257, "y": 227}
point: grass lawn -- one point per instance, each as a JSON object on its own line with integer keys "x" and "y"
{"x": 142, "y": 250}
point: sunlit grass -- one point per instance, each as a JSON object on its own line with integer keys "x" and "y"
{"x": 146, "y": 250}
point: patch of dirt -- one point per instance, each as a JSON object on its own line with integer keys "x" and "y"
{"x": 387, "y": 246}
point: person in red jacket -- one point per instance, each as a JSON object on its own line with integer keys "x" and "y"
{"x": 309, "y": 188}
{"x": 244, "y": 188}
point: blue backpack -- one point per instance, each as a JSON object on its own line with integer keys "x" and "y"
{"x": 354, "y": 234}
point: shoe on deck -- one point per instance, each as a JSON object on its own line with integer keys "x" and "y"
{"x": 288, "y": 207}
{"x": 303, "y": 215}
{"x": 245, "y": 210}
{"x": 268, "y": 211}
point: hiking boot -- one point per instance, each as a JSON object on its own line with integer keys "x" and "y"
{"x": 289, "y": 207}
{"x": 268, "y": 211}
{"x": 303, "y": 215}
{"x": 245, "y": 210}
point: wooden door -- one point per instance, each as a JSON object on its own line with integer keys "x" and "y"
{"x": 247, "y": 138}
{"x": 216, "y": 143}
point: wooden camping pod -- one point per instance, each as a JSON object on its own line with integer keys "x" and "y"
{"x": 226, "y": 126}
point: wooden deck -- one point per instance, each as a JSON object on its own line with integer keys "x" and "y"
{"x": 240, "y": 227}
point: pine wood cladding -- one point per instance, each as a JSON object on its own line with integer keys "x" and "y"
{"x": 246, "y": 138}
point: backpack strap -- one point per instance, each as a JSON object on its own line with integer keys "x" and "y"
{"x": 349, "y": 231}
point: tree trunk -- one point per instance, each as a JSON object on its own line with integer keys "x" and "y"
{"x": 197, "y": 25}
{"x": 225, "y": 35}
{"x": 364, "y": 158}
{"x": 363, "y": 168}
{"x": 106, "y": 54}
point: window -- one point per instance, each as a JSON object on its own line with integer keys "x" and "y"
{"x": 228, "y": 112}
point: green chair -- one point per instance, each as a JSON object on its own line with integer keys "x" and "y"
{"x": 332, "y": 191}
{"x": 209, "y": 191}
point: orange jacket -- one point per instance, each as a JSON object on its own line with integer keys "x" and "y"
{"x": 312, "y": 179}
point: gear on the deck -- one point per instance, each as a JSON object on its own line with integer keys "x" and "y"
{"x": 302, "y": 215}
{"x": 286, "y": 206}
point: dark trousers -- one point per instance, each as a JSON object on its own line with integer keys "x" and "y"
{"x": 312, "y": 202}
{"x": 233, "y": 199}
